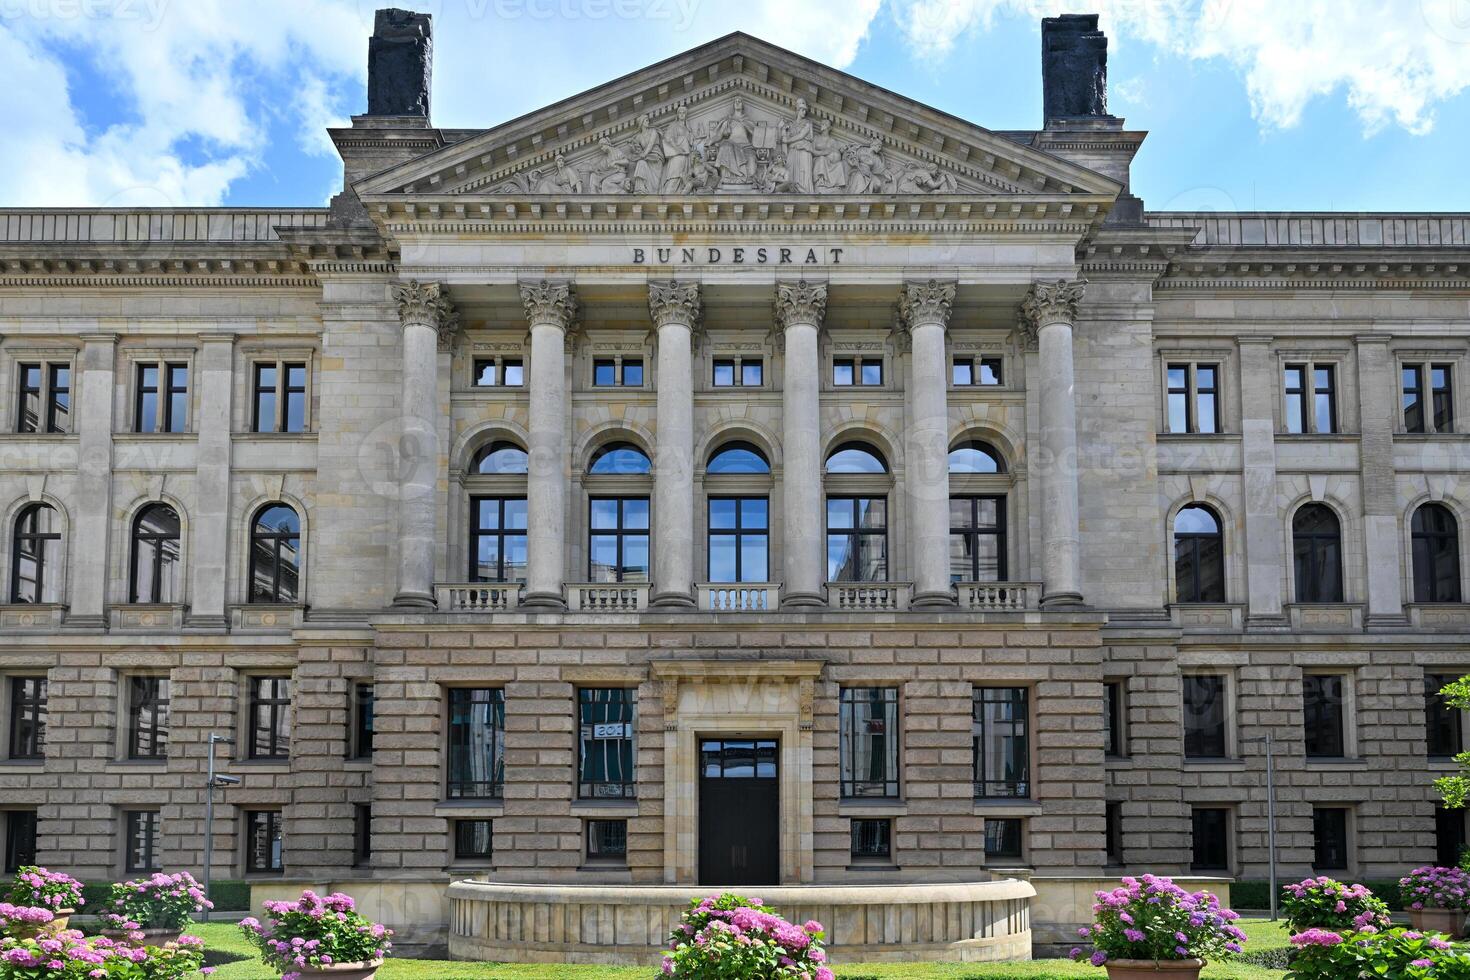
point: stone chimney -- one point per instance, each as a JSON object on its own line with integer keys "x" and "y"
{"x": 401, "y": 63}
{"x": 1074, "y": 68}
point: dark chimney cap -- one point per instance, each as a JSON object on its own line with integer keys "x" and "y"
{"x": 400, "y": 63}
{"x": 1074, "y": 67}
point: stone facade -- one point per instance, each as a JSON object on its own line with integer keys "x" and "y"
{"x": 530, "y": 252}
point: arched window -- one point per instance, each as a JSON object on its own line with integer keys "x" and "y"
{"x": 1317, "y": 554}
{"x": 1436, "y": 553}
{"x": 501, "y": 458}
{"x": 738, "y": 457}
{"x": 620, "y": 459}
{"x": 275, "y": 554}
{"x": 1199, "y": 555}
{"x": 154, "y": 573}
{"x": 974, "y": 456}
{"x": 35, "y": 550}
{"x": 856, "y": 457}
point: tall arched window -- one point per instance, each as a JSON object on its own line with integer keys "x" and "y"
{"x": 857, "y": 520}
{"x": 498, "y": 514}
{"x": 736, "y": 458}
{"x": 275, "y": 554}
{"x": 501, "y": 458}
{"x": 856, "y": 457}
{"x": 1316, "y": 537}
{"x": 620, "y": 459}
{"x": 739, "y": 513}
{"x": 154, "y": 573}
{"x": 977, "y": 519}
{"x": 973, "y": 456}
{"x": 1199, "y": 555}
{"x": 36, "y": 550}
{"x": 618, "y": 528}
{"x": 1436, "y": 554}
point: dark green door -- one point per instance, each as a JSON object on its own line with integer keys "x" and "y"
{"x": 739, "y": 812}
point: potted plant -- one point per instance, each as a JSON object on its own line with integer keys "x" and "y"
{"x": 1150, "y": 928}
{"x": 1322, "y": 903}
{"x": 61, "y": 894}
{"x": 153, "y": 911}
{"x": 24, "y": 921}
{"x": 732, "y": 936}
{"x": 316, "y": 938}
{"x": 1437, "y": 899}
{"x": 68, "y": 955}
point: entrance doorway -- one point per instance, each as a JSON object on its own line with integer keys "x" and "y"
{"x": 739, "y": 811}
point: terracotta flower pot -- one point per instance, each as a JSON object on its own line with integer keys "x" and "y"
{"x": 341, "y": 971}
{"x": 59, "y": 920}
{"x": 1451, "y": 922}
{"x": 1154, "y": 969}
{"x": 151, "y": 937}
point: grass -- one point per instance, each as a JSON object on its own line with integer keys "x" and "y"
{"x": 236, "y": 960}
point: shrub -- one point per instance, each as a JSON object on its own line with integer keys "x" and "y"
{"x": 1397, "y": 954}
{"x": 70, "y": 956}
{"x": 1154, "y": 919}
{"x": 1321, "y": 903}
{"x": 48, "y": 889}
{"x": 24, "y": 916}
{"x": 316, "y": 932}
{"x": 1436, "y": 888}
{"x": 732, "y": 936}
{"x": 160, "y": 902}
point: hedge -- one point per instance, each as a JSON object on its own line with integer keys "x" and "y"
{"x": 229, "y": 896}
{"x": 1255, "y": 895}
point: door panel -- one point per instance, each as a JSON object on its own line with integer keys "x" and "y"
{"x": 739, "y": 812}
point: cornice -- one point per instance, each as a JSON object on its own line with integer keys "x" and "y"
{"x": 157, "y": 281}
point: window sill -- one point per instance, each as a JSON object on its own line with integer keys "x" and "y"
{"x": 872, "y": 808}
{"x": 309, "y": 435}
{"x": 1224, "y": 765}
{"x": 139, "y": 763}
{"x": 859, "y": 865}
{"x": 1443, "y": 763}
{"x": 1336, "y": 764}
{"x": 21, "y": 765}
{"x": 604, "y": 808}
{"x": 469, "y": 809}
{"x": 131, "y": 436}
{"x": 462, "y": 866}
{"x": 596, "y": 866}
{"x": 272, "y": 766}
{"x": 1007, "y": 808}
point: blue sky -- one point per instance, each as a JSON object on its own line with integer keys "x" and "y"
{"x": 1307, "y": 105}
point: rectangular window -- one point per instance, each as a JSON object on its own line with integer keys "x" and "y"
{"x": 1310, "y": 393}
{"x": 1003, "y": 839}
{"x": 607, "y": 841}
{"x": 476, "y": 743}
{"x": 498, "y": 549}
{"x": 508, "y": 372}
{"x": 1211, "y": 839}
{"x": 861, "y": 371}
{"x": 1113, "y": 834}
{"x": 857, "y": 539}
{"x": 58, "y": 399}
{"x": 619, "y": 372}
{"x": 617, "y": 541}
{"x": 1322, "y": 713}
{"x": 739, "y": 539}
{"x": 1001, "y": 736}
{"x": 1324, "y": 399}
{"x": 1432, "y": 410}
{"x": 279, "y": 397}
{"x": 27, "y": 718}
{"x": 1442, "y": 722}
{"x": 28, "y": 404}
{"x": 1192, "y": 395}
{"x": 752, "y": 373}
{"x": 1113, "y": 739}
{"x": 162, "y": 400}
{"x": 141, "y": 845}
{"x": 43, "y": 397}
{"x": 872, "y": 840}
{"x": 270, "y": 717}
{"x": 1294, "y": 381}
{"x": 868, "y": 729}
{"x": 472, "y": 840}
{"x": 1329, "y": 838}
{"x": 738, "y": 372}
{"x": 984, "y": 371}
{"x": 1449, "y": 836}
{"x": 1442, "y": 397}
{"x": 604, "y": 372}
{"x": 977, "y": 539}
{"x": 147, "y": 717}
{"x": 362, "y": 721}
{"x": 605, "y": 740}
{"x": 20, "y": 840}
{"x": 1204, "y": 716}
{"x": 1413, "y": 398}
{"x": 263, "y": 842}
{"x": 362, "y": 834}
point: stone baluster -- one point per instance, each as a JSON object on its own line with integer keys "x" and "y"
{"x": 675, "y": 308}
{"x": 551, "y": 310}
{"x": 428, "y": 319}
{"x": 800, "y": 307}
{"x": 924, "y": 309}
{"x": 1048, "y": 312}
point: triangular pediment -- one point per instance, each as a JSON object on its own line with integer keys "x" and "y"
{"x": 735, "y": 118}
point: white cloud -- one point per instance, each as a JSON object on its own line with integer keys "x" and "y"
{"x": 1394, "y": 60}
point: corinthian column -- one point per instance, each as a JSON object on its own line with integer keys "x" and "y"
{"x": 800, "y": 307}
{"x": 428, "y": 319}
{"x": 675, "y": 310}
{"x": 1048, "y": 312}
{"x": 551, "y": 309}
{"x": 923, "y": 309}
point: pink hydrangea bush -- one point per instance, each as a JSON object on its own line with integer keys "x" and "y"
{"x": 1321, "y": 903}
{"x": 1152, "y": 918}
{"x": 315, "y": 932}
{"x": 159, "y": 902}
{"x": 1394, "y": 954}
{"x": 48, "y": 889}
{"x": 69, "y": 955}
{"x": 1436, "y": 888}
{"x": 731, "y": 936}
{"x": 23, "y": 917}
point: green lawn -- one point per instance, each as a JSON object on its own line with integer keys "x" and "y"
{"x": 235, "y": 960}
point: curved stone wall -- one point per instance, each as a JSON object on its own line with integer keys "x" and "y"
{"x": 976, "y": 922}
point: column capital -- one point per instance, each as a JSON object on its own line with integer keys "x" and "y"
{"x": 550, "y": 301}
{"x": 1050, "y": 302}
{"x": 923, "y": 302}
{"x": 427, "y": 304}
{"x": 675, "y": 303}
{"x": 800, "y": 302}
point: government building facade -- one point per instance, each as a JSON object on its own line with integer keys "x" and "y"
{"x": 735, "y": 475}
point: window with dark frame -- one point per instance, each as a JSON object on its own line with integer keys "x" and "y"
{"x": 20, "y": 840}
{"x": 148, "y": 709}
{"x": 1199, "y": 555}
{"x": 857, "y": 539}
{"x": 362, "y": 834}
{"x": 141, "y": 845}
{"x": 1192, "y": 397}
{"x": 270, "y": 718}
{"x": 1114, "y": 741}
{"x": 161, "y": 403}
{"x": 58, "y": 398}
{"x": 623, "y": 372}
{"x": 1435, "y": 554}
{"x": 739, "y": 539}
{"x": 1205, "y": 731}
{"x": 1001, "y": 742}
{"x": 1443, "y": 723}
{"x": 1323, "y": 716}
{"x": 618, "y": 539}
{"x": 857, "y": 371}
{"x": 29, "y": 387}
{"x": 263, "y": 842}
{"x": 737, "y": 372}
{"x": 1432, "y": 410}
{"x": 1210, "y": 846}
{"x": 977, "y": 538}
{"x": 977, "y": 371}
{"x": 27, "y": 718}
{"x": 43, "y": 402}
{"x": 1003, "y": 839}
{"x": 507, "y": 372}
{"x": 153, "y": 572}
{"x": 498, "y": 540}
{"x": 872, "y": 839}
{"x": 1449, "y": 836}
{"x": 1317, "y": 554}
{"x": 279, "y": 397}
{"x": 473, "y": 840}
{"x": 476, "y": 758}
{"x": 1294, "y": 387}
{"x": 1113, "y": 834}
{"x": 35, "y": 545}
{"x": 605, "y": 763}
{"x": 275, "y": 555}
{"x": 607, "y": 841}
{"x": 869, "y": 742}
{"x": 1330, "y": 847}
{"x": 362, "y": 721}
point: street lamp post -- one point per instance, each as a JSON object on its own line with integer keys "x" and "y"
{"x": 214, "y": 779}
{"x": 1270, "y": 814}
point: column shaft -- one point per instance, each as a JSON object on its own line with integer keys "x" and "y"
{"x": 675, "y": 310}
{"x": 924, "y": 308}
{"x": 550, "y": 308}
{"x": 799, "y": 309}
